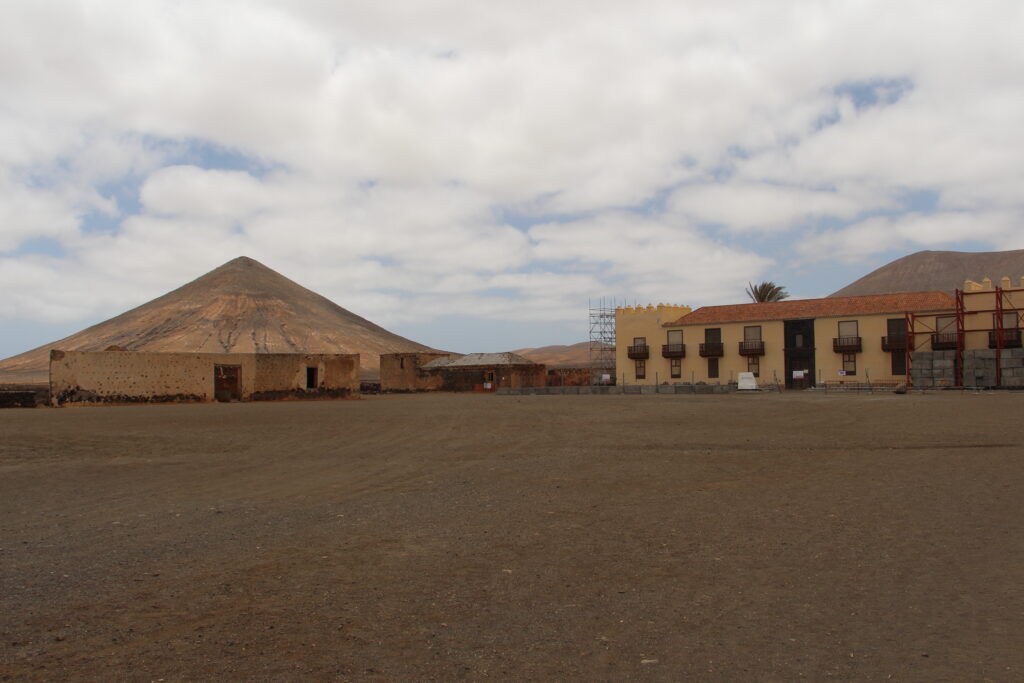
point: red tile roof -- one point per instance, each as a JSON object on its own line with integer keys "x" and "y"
{"x": 820, "y": 308}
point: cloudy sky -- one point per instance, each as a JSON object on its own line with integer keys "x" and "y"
{"x": 471, "y": 173}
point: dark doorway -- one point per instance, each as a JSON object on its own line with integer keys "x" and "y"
{"x": 896, "y": 341}
{"x": 799, "y": 353}
{"x": 227, "y": 382}
{"x": 311, "y": 378}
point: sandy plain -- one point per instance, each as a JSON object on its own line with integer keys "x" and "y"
{"x": 757, "y": 537}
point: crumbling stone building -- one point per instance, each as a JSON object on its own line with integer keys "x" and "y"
{"x": 140, "y": 377}
{"x": 404, "y": 371}
{"x": 486, "y": 372}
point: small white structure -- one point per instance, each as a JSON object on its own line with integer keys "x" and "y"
{"x": 746, "y": 382}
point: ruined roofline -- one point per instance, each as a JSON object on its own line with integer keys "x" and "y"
{"x": 986, "y": 285}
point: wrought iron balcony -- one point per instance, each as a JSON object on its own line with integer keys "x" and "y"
{"x": 673, "y": 350}
{"x": 1011, "y": 339}
{"x": 944, "y": 340}
{"x": 638, "y": 352}
{"x": 712, "y": 350}
{"x": 752, "y": 347}
{"x": 894, "y": 342}
{"x": 846, "y": 344}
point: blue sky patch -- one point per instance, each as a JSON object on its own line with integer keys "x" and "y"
{"x": 875, "y": 92}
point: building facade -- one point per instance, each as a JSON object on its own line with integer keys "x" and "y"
{"x": 640, "y": 344}
{"x": 794, "y": 343}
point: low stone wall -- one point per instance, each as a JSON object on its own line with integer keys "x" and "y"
{"x": 633, "y": 389}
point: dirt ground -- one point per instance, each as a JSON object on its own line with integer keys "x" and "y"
{"x": 754, "y": 537}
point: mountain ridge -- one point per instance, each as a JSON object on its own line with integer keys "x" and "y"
{"x": 936, "y": 270}
{"x": 240, "y": 307}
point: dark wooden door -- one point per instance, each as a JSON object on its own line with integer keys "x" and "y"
{"x": 800, "y": 365}
{"x": 227, "y": 382}
{"x": 799, "y": 353}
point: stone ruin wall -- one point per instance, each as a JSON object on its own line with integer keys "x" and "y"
{"x": 474, "y": 378}
{"x": 283, "y": 375}
{"x": 568, "y": 377}
{"x": 138, "y": 377}
{"x": 403, "y": 372}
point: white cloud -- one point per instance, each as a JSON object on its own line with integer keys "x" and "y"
{"x": 910, "y": 231}
{"x": 745, "y": 206}
{"x": 377, "y": 147}
{"x": 650, "y": 259}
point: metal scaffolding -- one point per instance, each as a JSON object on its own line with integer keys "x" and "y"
{"x": 602, "y": 340}
{"x": 922, "y": 335}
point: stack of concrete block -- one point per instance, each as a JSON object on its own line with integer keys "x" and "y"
{"x": 921, "y": 368}
{"x": 938, "y": 368}
{"x": 933, "y": 368}
{"x": 980, "y": 368}
{"x": 944, "y": 368}
{"x": 1012, "y": 362}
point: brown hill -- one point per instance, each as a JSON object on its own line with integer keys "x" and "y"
{"x": 937, "y": 270}
{"x": 241, "y": 307}
{"x": 574, "y": 356}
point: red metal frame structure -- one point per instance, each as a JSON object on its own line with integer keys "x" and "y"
{"x": 997, "y": 324}
{"x": 1003, "y": 304}
{"x": 912, "y": 333}
{"x": 912, "y": 321}
{"x": 958, "y": 363}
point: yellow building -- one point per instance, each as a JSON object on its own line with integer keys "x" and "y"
{"x": 638, "y": 329}
{"x": 796, "y": 342}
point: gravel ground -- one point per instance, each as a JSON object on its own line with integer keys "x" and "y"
{"x": 742, "y": 537}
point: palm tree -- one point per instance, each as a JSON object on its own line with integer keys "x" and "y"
{"x": 766, "y": 291}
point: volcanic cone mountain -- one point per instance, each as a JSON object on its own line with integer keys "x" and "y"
{"x": 241, "y": 307}
{"x": 937, "y": 270}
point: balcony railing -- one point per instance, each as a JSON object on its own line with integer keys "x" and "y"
{"x": 1011, "y": 339}
{"x": 673, "y": 350}
{"x": 638, "y": 352}
{"x": 846, "y": 344}
{"x": 712, "y": 350}
{"x": 944, "y": 340}
{"x": 752, "y": 347}
{"x": 894, "y": 342}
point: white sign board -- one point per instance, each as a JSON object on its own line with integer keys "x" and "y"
{"x": 798, "y": 374}
{"x": 746, "y": 381}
